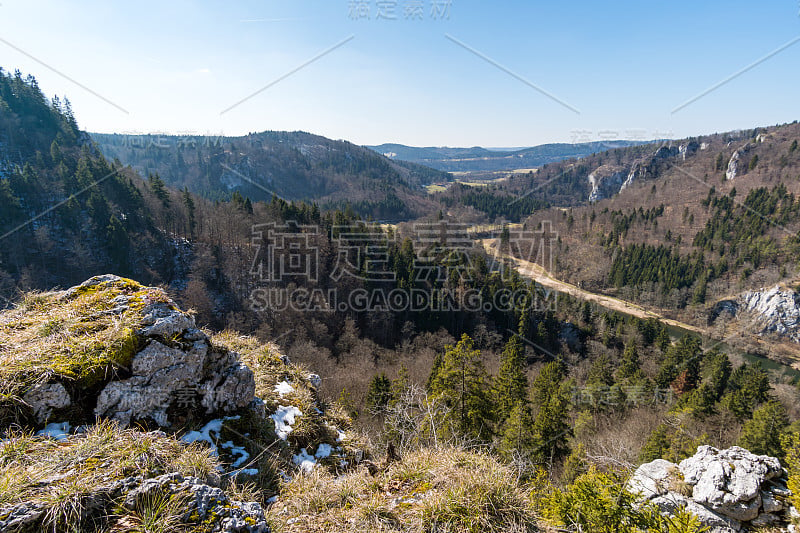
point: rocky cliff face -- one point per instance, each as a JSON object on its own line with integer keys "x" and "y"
{"x": 606, "y": 181}
{"x": 728, "y": 490}
{"x": 774, "y": 311}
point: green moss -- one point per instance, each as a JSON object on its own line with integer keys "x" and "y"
{"x": 89, "y": 365}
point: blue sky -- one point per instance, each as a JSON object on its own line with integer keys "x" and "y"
{"x": 625, "y": 66}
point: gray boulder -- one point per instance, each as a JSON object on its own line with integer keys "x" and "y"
{"x": 175, "y": 363}
{"x": 725, "y": 489}
{"x": 729, "y": 481}
{"x": 651, "y": 479}
{"x": 717, "y": 523}
{"x": 46, "y": 397}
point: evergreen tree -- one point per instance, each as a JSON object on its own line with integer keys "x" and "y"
{"x": 630, "y": 364}
{"x": 546, "y": 384}
{"x": 400, "y": 384}
{"x": 511, "y": 384}
{"x": 601, "y": 372}
{"x": 763, "y": 433}
{"x": 461, "y": 384}
{"x": 657, "y": 445}
{"x": 518, "y": 438}
{"x": 380, "y": 392}
{"x": 719, "y": 371}
{"x": 159, "y": 189}
{"x": 188, "y": 203}
{"x": 551, "y": 428}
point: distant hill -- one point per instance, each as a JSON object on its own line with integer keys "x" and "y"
{"x": 291, "y": 165}
{"x": 477, "y": 159}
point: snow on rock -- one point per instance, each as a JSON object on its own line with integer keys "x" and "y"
{"x": 210, "y": 434}
{"x": 307, "y": 462}
{"x": 236, "y": 450}
{"x": 284, "y": 418}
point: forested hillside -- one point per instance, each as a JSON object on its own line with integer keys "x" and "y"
{"x": 478, "y": 159}
{"x": 66, "y": 210}
{"x": 292, "y": 165}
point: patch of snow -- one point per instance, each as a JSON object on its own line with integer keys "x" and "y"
{"x": 305, "y": 461}
{"x": 341, "y": 435}
{"x": 210, "y": 434}
{"x": 204, "y": 434}
{"x": 271, "y": 500}
{"x": 55, "y": 431}
{"x": 323, "y": 451}
{"x": 284, "y": 419}
{"x": 236, "y": 450}
{"x": 283, "y": 388}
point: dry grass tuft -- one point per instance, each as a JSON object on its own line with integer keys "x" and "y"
{"x": 443, "y": 490}
{"x": 65, "y": 477}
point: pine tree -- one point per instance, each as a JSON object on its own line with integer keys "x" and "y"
{"x": 762, "y": 434}
{"x": 380, "y": 392}
{"x": 158, "y": 188}
{"x": 657, "y": 445}
{"x": 575, "y": 465}
{"x": 551, "y": 428}
{"x": 461, "y": 384}
{"x": 399, "y": 384}
{"x": 546, "y": 383}
{"x": 630, "y": 362}
{"x": 550, "y": 400}
{"x": 699, "y": 295}
{"x": 511, "y": 384}
{"x": 118, "y": 243}
{"x": 719, "y": 371}
{"x": 518, "y": 438}
{"x": 188, "y": 203}
{"x": 601, "y": 372}
{"x": 663, "y": 341}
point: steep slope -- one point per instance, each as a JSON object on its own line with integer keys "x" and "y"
{"x": 292, "y": 165}
{"x": 62, "y": 203}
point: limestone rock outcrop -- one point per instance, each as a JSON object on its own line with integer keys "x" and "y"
{"x": 171, "y": 361}
{"x": 726, "y": 489}
{"x": 773, "y": 311}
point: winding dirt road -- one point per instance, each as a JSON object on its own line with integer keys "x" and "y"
{"x": 543, "y": 277}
